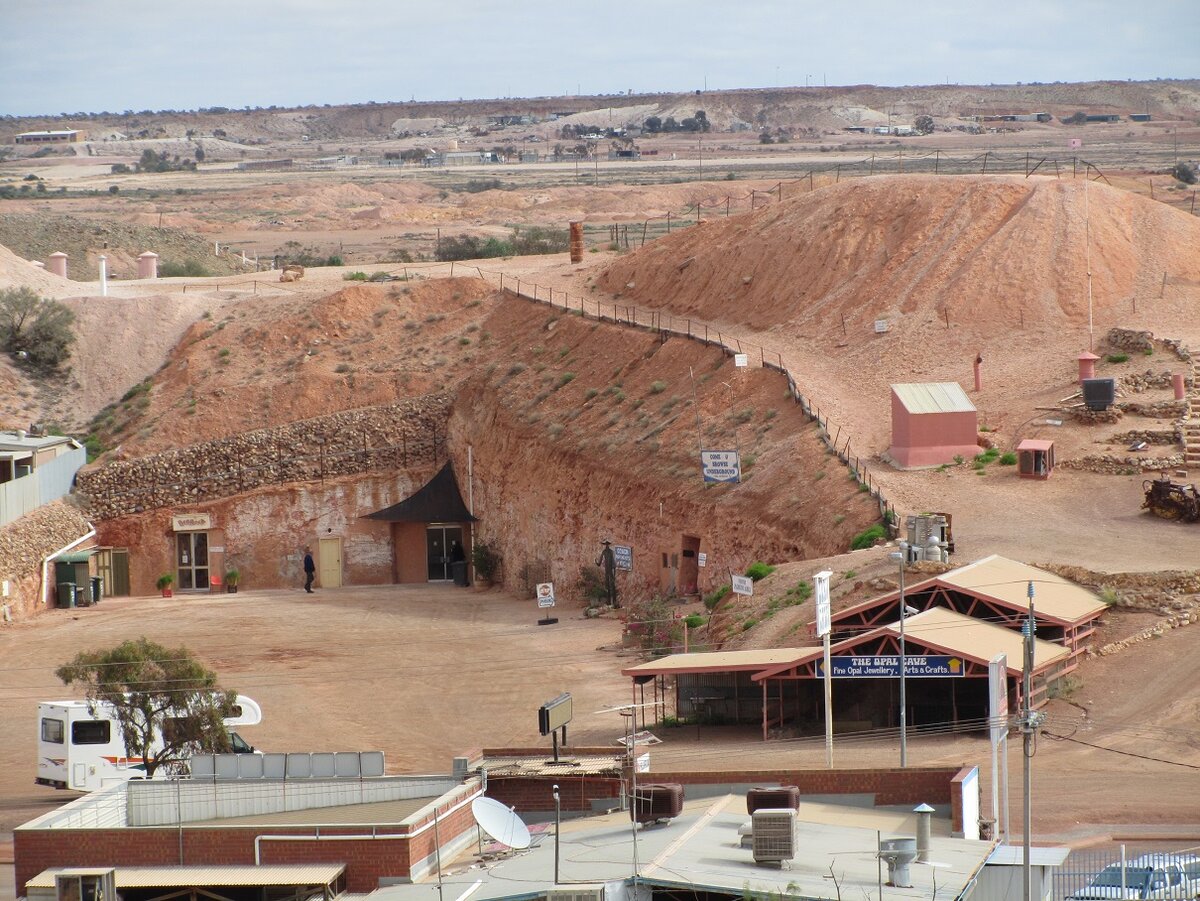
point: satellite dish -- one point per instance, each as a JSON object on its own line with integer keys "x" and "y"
{"x": 500, "y": 823}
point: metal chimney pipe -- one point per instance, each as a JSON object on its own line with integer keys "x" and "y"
{"x": 924, "y": 830}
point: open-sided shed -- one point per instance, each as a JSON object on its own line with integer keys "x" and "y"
{"x": 932, "y": 423}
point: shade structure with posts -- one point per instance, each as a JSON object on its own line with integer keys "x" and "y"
{"x": 1035, "y": 459}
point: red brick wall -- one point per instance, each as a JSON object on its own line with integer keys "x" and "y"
{"x": 530, "y": 793}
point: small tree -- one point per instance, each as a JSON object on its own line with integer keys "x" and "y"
{"x": 923, "y": 125}
{"x": 156, "y": 693}
{"x": 1185, "y": 173}
{"x": 35, "y": 330}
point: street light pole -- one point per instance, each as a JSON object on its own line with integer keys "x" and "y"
{"x": 901, "y": 557}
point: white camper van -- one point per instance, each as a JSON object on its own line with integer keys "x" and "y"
{"x": 85, "y": 752}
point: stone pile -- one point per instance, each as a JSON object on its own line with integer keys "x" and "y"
{"x": 393, "y": 436}
{"x": 1137, "y": 382}
{"x": 1161, "y": 409}
{"x": 1116, "y": 464}
{"x": 1150, "y": 436}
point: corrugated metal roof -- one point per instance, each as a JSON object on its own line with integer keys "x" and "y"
{"x": 244, "y": 875}
{"x": 934, "y": 397}
{"x": 714, "y": 662}
{"x": 957, "y": 633}
{"x": 1008, "y": 581}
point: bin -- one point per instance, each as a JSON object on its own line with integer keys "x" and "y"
{"x": 66, "y": 594}
{"x": 97, "y": 589}
{"x": 458, "y": 569}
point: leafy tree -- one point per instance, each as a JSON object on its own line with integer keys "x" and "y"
{"x": 156, "y": 692}
{"x": 669, "y": 124}
{"x": 653, "y": 124}
{"x": 1185, "y": 173}
{"x": 1078, "y": 118}
{"x": 199, "y": 153}
{"x": 35, "y": 330}
{"x": 923, "y": 125}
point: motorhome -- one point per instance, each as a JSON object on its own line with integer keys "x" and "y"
{"x": 85, "y": 751}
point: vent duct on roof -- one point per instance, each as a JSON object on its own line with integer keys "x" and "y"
{"x": 898, "y": 853}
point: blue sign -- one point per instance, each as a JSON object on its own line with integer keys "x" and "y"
{"x": 623, "y": 557}
{"x": 720, "y": 466}
{"x": 887, "y": 666}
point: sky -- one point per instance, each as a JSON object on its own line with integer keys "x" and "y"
{"x": 70, "y": 56}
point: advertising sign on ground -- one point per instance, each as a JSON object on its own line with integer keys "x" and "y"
{"x": 545, "y": 594}
{"x": 721, "y": 466}
{"x": 743, "y": 585}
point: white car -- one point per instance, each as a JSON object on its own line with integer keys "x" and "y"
{"x": 1163, "y": 875}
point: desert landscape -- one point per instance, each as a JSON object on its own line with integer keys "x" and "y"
{"x": 577, "y": 391}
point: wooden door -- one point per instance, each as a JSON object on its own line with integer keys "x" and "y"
{"x": 329, "y": 564}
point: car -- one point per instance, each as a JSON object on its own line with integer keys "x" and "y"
{"x": 1150, "y": 876}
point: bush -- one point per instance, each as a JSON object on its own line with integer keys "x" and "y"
{"x": 694, "y": 620}
{"x": 759, "y": 570}
{"x": 712, "y": 600}
{"x": 486, "y": 560}
{"x": 867, "y": 537}
{"x": 1117, "y": 358}
{"x": 186, "y": 269}
{"x": 1184, "y": 173}
{"x": 35, "y": 331}
{"x": 354, "y": 276}
{"x": 1008, "y": 459}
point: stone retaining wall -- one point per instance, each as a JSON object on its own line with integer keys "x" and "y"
{"x": 24, "y": 543}
{"x": 1115, "y": 464}
{"x": 395, "y": 436}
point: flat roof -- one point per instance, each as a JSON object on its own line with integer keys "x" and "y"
{"x": 1008, "y": 580}
{"x": 934, "y": 397}
{"x": 10, "y": 441}
{"x": 1035, "y": 444}
{"x": 166, "y": 877}
{"x": 38, "y": 134}
{"x": 380, "y": 813}
{"x": 701, "y": 850}
{"x": 714, "y": 662}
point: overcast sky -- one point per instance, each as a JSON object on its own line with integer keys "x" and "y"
{"x": 95, "y": 55}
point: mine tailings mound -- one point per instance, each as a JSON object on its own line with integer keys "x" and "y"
{"x": 583, "y": 431}
{"x": 988, "y": 250}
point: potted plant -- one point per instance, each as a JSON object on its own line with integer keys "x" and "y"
{"x": 164, "y": 583}
{"x": 232, "y": 577}
{"x": 486, "y": 561}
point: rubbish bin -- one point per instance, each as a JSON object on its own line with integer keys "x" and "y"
{"x": 459, "y": 570}
{"x": 66, "y": 594}
{"x": 97, "y": 589}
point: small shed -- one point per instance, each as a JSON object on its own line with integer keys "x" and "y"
{"x": 1035, "y": 458}
{"x": 932, "y": 423}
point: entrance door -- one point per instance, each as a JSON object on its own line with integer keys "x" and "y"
{"x": 689, "y": 565}
{"x": 191, "y": 560}
{"x": 440, "y": 542}
{"x": 329, "y": 567}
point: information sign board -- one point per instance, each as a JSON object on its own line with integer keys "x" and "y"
{"x": 742, "y": 585}
{"x": 887, "y": 666}
{"x": 720, "y": 466}
{"x": 545, "y": 594}
{"x": 623, "y": 557}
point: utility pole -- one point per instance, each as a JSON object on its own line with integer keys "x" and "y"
{"x": 1029, "y": 723}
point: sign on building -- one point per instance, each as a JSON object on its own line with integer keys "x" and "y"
{"x": 887, "y": 666}
{"x": 623, "y": 557}
{"x": 702, "y": 559}
{"x": 998, "y": 698}
{"x": 642, "y": 762}
{"x": 545, "y": 594}
{"x": 721, "y": 466}
{"x": 742, "y": 585}
{"x": 191, "y": 522}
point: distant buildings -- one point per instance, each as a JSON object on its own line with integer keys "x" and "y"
{"x": 70, "y": 136}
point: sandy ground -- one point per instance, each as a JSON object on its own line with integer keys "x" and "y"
{"x": 426, "y": 673}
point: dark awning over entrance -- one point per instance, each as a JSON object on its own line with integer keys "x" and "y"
{"x": 439, "y": 501}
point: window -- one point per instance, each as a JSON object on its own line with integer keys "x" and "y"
{"x": 52, "y": 731}
{"x": 91, "y": 732}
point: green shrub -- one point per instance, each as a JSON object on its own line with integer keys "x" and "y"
{"x": 867, "y": 537}
{"x": 759, "y": 570}
{"x": 186, "y": 269}
{"x": 712, "y": 600}
{"x": 36, "y": 332}
{"x": 1008, "y": 459}
{"x": 694, "y": 620}
{"x": 658, "y": 387}
{"x": 565, "y": 379}
{"x": 1117, "y": 358}
{"x": 354, "y": 276}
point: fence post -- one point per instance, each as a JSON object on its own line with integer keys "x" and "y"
{"x": 452, "y": 268}
{"x": 668, "y": 223}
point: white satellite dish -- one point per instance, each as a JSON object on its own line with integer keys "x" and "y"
{"x": 500, "y": 823}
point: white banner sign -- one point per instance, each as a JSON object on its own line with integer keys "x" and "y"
{"x": 998, "y": 698}
{"x": 741, "y": 360}
{"x": 702, "y": 559}
{"x": 642, "y": 762}
{"x": 721, "y": 466}
{"x": 742, "y": 585}
{"x": 821, "y": 593}
{"x": 545, "y": 594}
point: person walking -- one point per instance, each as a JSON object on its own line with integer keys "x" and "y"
{"x": 310, "y": 569}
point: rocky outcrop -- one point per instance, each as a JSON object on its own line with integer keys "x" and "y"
{"x": 351, "y": 441}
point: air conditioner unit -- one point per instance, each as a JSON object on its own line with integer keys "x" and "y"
{"x": 774, "y": 838}
{"x": 577, "y": 893}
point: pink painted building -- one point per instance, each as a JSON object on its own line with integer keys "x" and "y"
{"x": 932, "y": 423}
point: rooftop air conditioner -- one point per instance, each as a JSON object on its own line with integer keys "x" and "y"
{"x": 577, "y": 893}
{"x": 774, "y": 839}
